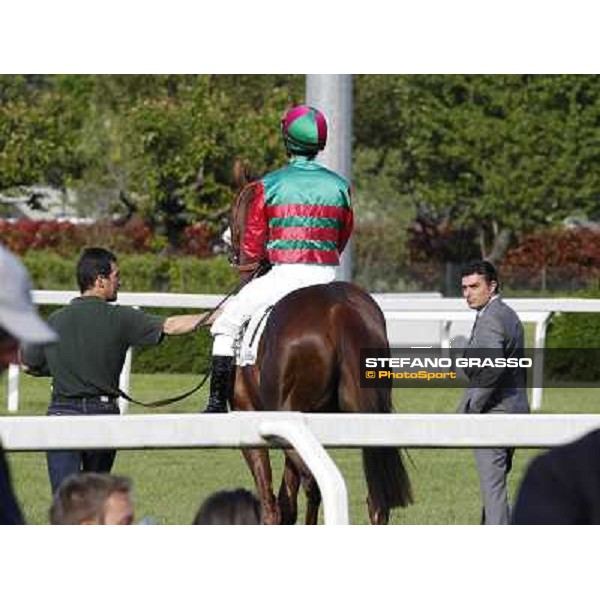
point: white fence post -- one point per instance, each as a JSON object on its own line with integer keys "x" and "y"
{"x": 330, "y": 481}
{"x": 124, "y": 381}
{"x": 13, "y": 388}
{"x": 538, "y": 368}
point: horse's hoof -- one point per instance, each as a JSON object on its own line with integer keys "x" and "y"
{"x": 272, "y": 517}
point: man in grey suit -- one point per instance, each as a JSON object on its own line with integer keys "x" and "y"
{"x": 497, "y": 333}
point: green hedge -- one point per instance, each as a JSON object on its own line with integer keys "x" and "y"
{"x": 574, "y": 330}
{"x": 50, "y": 271}
{"x": 147, "y": 273}
{"x": 175, "y": 354}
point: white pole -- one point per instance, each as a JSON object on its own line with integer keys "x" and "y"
{"x": 13, "y": 388}
{"x": 330, "y": 480}
{"x": 538, "y": 368}
{"x": 124, "y": 381}
{"x": 333, "y": 95}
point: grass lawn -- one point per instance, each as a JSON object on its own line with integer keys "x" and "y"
{"x": 170, "y": 484}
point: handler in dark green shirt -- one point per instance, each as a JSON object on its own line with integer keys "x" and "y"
{"x": 94, "y": 339}
{"x": 86, "y": 363}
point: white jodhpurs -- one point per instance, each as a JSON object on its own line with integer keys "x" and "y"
{"x": 263, "y": 291}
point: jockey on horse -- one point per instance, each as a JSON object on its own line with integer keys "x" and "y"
{"x": 299, "y": 219}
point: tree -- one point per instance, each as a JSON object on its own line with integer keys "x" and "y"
{"x": 38, "y": 133}
{"x": 463, "y": 156}
{"x": 498, "y": 155}
{"x": 162, "y": 145}
{"x": 181, "y": 142}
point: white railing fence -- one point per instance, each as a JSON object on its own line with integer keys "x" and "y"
{"x": 310, "y": 433}
{"x": 408, "y": 308}
{"x": 307, "y": 433}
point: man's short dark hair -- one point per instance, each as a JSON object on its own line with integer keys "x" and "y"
{"x": 93, "y": 262}
{"x": 482, "y": 267}
{"x": 82, "y": 497}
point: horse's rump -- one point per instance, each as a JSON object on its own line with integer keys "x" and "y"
{"x": 310, "y": 351}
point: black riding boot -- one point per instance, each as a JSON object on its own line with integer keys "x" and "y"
{"x": 221, "y": 383}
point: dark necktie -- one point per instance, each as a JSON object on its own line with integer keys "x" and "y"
{"x": 473, "y": 330}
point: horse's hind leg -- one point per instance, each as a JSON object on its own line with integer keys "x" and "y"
{"x": 288, "y": 493}
{"x": 313, "y": 498}
{"x": 260, "y": 467}
{"x": 310, "y": 486}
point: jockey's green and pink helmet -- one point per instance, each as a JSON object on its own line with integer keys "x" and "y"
{"x": 304, "y": 130}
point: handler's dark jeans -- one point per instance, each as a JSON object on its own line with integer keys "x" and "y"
{"x": 62, "y": 463}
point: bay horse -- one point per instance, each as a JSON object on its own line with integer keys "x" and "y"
{"x": 308, "y": 360}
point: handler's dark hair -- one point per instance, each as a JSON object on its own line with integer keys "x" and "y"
{"x": 82, "y": 497}
{"x": 93, "y": 262}
{"x": 230, "y": 507}
{"x": 482, "y": 267}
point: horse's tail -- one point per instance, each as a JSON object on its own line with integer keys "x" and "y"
{"x": 364, "y": 326}
{"x": 387, "y": 479}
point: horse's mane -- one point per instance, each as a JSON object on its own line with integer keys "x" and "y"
{"x": 245, "y": 181}
{"x": 239, "y": 213}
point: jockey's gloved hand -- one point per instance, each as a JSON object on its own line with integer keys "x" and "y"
{"x": 264, "y": 267}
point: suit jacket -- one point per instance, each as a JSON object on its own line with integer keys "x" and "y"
{"x": 562, "y": 486}
{"x": 499, "y": 331}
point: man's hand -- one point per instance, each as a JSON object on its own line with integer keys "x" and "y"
{"x": 34, "y": 372}
{"x": 181, "y": 324}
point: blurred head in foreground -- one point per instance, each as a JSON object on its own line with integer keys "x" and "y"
{"x": 230, "y": 507}
{"x": 93, "y": 499}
